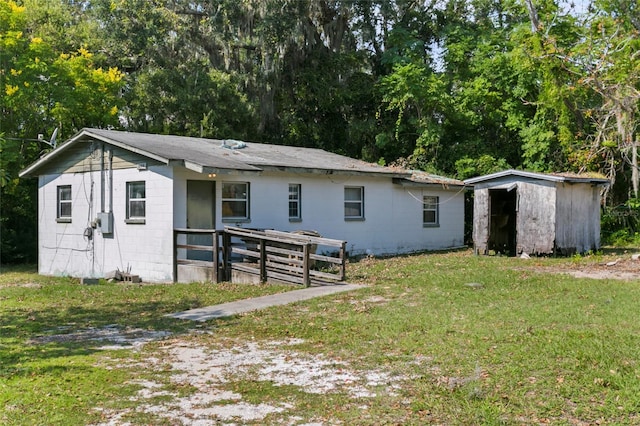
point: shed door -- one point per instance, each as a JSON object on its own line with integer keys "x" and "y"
{"x": 200, "y": 215}
{"x": 502, "y": 227}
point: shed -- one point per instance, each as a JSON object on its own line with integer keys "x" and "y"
{"x": 536, "y": 213}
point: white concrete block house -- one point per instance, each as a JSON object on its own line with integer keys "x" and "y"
{"x": 110, "y": 200}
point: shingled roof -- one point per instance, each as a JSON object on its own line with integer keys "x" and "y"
{"x": 214, "y": 155}
{"x": 220, "y": 155}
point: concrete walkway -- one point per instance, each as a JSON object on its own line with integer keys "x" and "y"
{"x": 247, "y": 305}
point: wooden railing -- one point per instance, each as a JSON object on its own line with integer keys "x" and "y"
{"x": 286, "y": 256}
{"x": 181, "y": 247}
{"x": 267, "y": 254}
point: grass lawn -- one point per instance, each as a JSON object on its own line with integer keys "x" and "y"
{"x": 523, "y": 345}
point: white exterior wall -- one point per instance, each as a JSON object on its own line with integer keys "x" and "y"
{"x": 146, "y": 248}
{"x": 393, "y": 214}
{"x": 392, "y": 224}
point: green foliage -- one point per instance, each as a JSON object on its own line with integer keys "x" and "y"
{"x": 189, "y": 100}
{"x": 620, "y": 225}
{"x": 537, "y": 143}
{"x": 41, "y": 88}
{"x": 485, "y": 164}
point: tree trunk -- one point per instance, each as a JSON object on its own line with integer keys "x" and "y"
{"x": 533, "y": 15}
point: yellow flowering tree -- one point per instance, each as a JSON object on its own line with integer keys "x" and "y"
{"x": 41, "y": 88}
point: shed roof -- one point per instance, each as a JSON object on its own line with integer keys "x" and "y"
{"x": 214, "y": 155}
{"x": 552, "y": 177}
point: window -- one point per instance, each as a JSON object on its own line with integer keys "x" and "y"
{"x": 354, "y": 202}
{"x": 136, "y": 202}
{"x": 235, "y": 201}
{"x": 295, "y": 212}
{"x": 430, "y": 211}
{"x": 64, "y": 204}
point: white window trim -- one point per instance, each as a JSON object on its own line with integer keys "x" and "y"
{"x": 136, "y": 219}
{"x": 360, "y": 202}
{"x": 297, "y": 201}
{"x": 59, "y": 217}
{"x": 435, "y": 209}
{"x": 237, "y": 219}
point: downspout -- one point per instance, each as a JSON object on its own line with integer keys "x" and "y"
{"x": 102, "y": 179}
{"x": 110, "y": 180}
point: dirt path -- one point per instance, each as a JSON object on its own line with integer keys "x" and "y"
{"x": 209, "y": 371}
{"x": 624, "y": 267}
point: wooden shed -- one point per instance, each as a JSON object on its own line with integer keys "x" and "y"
{"x": 535, "y": 213}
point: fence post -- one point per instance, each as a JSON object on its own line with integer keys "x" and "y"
{"x": 306, "y": 276}
{"x": 343, "y": 264}
{"x": 175, "y": 256}
{"x": 226, "y": 255}
{"x": 263, "y": 261}
{"x": 216, "y": 262}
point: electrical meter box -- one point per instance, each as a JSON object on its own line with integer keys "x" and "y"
{"x": 105, "y": 222}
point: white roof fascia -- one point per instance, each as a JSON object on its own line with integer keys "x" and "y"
{"x": 506, "y": 173}
{"x": 533, "y": 175}
{"x": 444, "y": 185}
{"x": 193, "y": 166}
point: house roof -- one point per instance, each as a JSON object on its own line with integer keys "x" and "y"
{"x": 552, "y": 177}
{"x": 213, "y": 155}
{"x": 216, "y": 156}
{"x": 421, "y": 178}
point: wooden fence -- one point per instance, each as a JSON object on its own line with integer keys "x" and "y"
{"x": 267, "y": 255}
{"x": 181, "y": 248}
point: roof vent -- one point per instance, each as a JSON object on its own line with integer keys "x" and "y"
{"x": 232, "y": 144}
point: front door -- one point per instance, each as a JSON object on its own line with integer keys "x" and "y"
{"x": 200, "y": 215}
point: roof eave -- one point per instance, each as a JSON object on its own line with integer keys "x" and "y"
{"x": 29, "y": 171}
{"x": 404, "y": 182}
{"x": 327, "y": 171}
{"x": 211, "y": 170}
{"x": 533, "y": 175}
{"x": 135, "y": 150}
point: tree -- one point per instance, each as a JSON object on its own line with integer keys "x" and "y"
{"x": 601, "y": 57}
{"x": 42, "y": 89}
{"x": 458, "y": 89}
{"x": 610, "y": 58}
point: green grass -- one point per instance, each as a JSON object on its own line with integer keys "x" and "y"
{"x": 528, "y": 347}
{"x": 60, "y": 382}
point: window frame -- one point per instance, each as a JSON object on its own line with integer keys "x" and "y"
{"x": 295, "y": 204}
{"x": 349, "y": 203}
{"x": 245, "y": 200}
{"x": 136, "y": 219}
{"x": 60, "y": 217}
{"x": 431, "y": 205}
